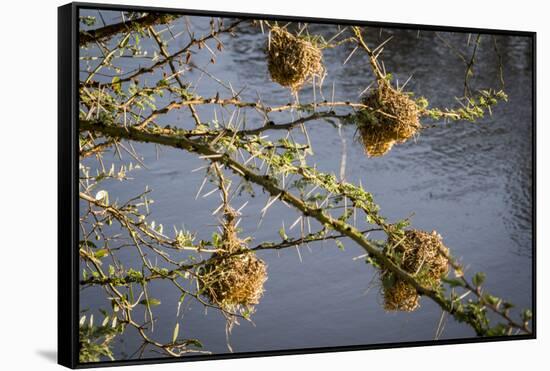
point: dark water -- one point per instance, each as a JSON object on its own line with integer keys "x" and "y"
{"x": 470, "y": 182}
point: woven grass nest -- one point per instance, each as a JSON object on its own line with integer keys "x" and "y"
{"x": 292, "y": 61}
{"x": 420, "y": 254}
{"x": 234, "y": 278}
{"x": 392, "y": 117}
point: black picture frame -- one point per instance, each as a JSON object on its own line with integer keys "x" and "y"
{"x": 68, "y": 209}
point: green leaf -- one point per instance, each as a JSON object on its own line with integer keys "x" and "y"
{"x": 246, "y": 313}
{"x": 493, "y": 300}
{"x": 526, "y": 315}
{"x": 340, "y": 245}
{"x": 478, "y": 279}
{"x": 162, "y": 82}
{"x": 216, "y": 240}
{"x": 101, "y": 253}
{"x": 117, "y": 85}
{"x": 373, "y": 262}
{"x": 194, "y": 342}
{"x": 282, "y": 233}
{"x": 402, "y": 224}
{"x": 388, "y": 281}
{"x": 88, "y": 244}
{"x": 124, "y": 41}
{"x": 498, "y": 330}
{"x": 151, "y": 302}
{"x": 176, "y": 332}
{"x": 453, "y": 282}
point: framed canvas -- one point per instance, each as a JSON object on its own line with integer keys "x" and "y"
{"x": 239, "y": 185}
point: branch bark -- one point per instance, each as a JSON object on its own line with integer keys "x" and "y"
{"x": 106, "y": 32}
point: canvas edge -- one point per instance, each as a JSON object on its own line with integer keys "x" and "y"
{"x": 67, "y": 213}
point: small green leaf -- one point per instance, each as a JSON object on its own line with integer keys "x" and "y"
{"x": 101, "y": 253}
{"x": 493, "y": 300}
{"x": 117, "y": 85}
{"x": 194, "y": 342}
{"x": 216, "y": 240}
{"x": 176, "y": 332}
{"x": 340, "y": 245}
{"x": 88, "y": 244}
{"x": 246, "y": 313}
{"x": 373, "y": 262}
{"x": 498, "y": 330}
{"x": 526, "y": 315}
{"x": 151, "y": 302}
{"x": 124, "y": 41}
{"x": 388, "y": 281}
{"x": 453, "y": 282}
{"x": 282, "y": 233}
{"x": 478, "y": 279}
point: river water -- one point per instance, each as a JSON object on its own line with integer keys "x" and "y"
{"x": 470, "y": 182}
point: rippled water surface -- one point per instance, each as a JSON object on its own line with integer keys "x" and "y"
{"x": 470, "y": 182}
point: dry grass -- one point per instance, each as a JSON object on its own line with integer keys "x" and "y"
{"x": 292, "y": 61}
{"x": 420, "y": 254}
{"x": 392, "y": 117}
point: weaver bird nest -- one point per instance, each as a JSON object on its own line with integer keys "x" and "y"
{"x": 293, "y": 61}
{"x": 233, "y": 279}
{"x": 421, "y": 254}
{"x": 391, "y": 117}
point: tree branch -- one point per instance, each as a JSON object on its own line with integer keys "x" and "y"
{"x": 270, "y": 186}
{"x": 106, "y": 32}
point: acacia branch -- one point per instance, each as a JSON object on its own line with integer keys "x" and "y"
{"x": 106, "y": 32}
{"x": 270, "y": 186}
{"x": 175, "y": 72}
{"x": 182, "y": 51}
{"x": 380, "y": 76}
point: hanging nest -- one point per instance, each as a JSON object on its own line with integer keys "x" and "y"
{"x": 400, "y": 296}
{"x": 421, "y": 254}
{"x": 392, "y": 117}
{"x": 377, "y": 148}
{"x": 234, "y": 278}
{"x": 233, "y": 282}
{"x": 292, "y": 61}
